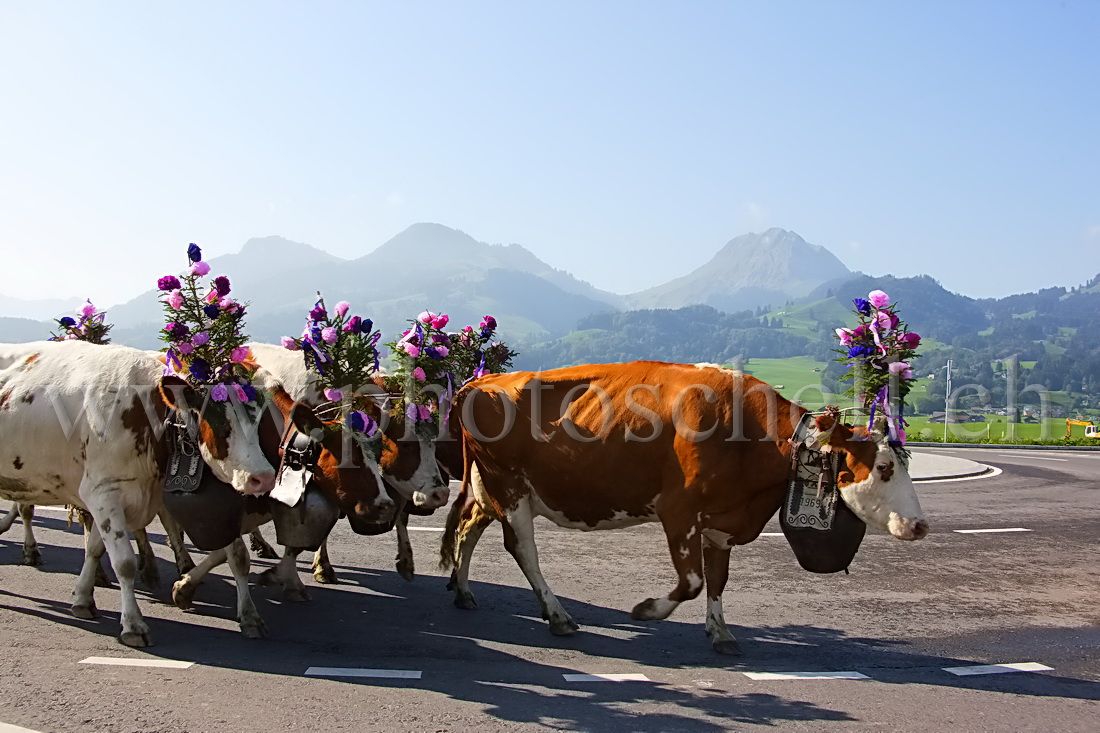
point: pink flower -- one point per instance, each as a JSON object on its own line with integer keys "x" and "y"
{"x": 443, "y": 350}
{"x": 901, "y": 368}
{"x": 239, "y": 355}
{"x": 909, "y": 340}
{"x": 440, "y": 321}
{"x": 200, "y": 268}
{"x": 185, "y": 348}
{"x": 201, "y": 338}
{"x": 427, "y": 317}
{"x": 212, "y": 296}
{"x": 342, "y": 308}
{"x": 228, "y": 304}
{"x": 886, "y": 320}
{"x": 419, "y": 375}
{"x": 411, "y": 349}
{"x": 89, "y": 310}
{"x": 878, "y": 298}
{"x": 329, "y": 335}
{"x": 219, "y": 393}
{"x": 241, "y": 394}
{"x": 468, "y": 329}
{"x": 289, "y": 343}
{"x": 333, "y": 395}
{"x": 424, "y": 412}
{"x": 175, "y": 300}
{"x": 845, "y": 336}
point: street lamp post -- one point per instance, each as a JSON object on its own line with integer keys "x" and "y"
{"x": 947, "y": 401}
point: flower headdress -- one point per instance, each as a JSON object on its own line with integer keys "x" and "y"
{"x": 474, "y": 353}
{"x": 91, "y": 326}
{"x": 878, "y": 353}
{"x": 424, "y": 368}
{"x": 343, "y": 352}
{"x": 205, "y": 342}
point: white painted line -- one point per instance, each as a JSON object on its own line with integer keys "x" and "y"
{"x": 123, "y": 662}
{"x": 605, "y": 678}
{"x": 426, "y": 529}
{"x": 806, "y": 676}
{"x": 997, "y": 668}
{"x": 990, "y": 531}
{"x": 393, "y": 674}
{"x": 992, "y": 473}
{"x": 9, "y": 728}
{"x": 771, "y": 534}
{"x": 1037, "y": 458}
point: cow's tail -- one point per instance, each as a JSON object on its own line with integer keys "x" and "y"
{"x": 448, "y": 546}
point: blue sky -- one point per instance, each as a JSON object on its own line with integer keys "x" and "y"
{"x": 623, "y": 141}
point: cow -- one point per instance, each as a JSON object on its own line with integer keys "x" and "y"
{"x": 79, "y": 425}
{"x": 703, "y": 450}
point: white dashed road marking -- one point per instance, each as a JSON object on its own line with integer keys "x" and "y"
{"x": 393, "y": 674}
{"x": 605, "y": 678}
{"x": 123, "y": 662}
{"x": 806, "y": 676}
{"x": 771, "y": 534}
{"x": 7, "y": 728}
{"x": 426, "y": 529}
{"x": 1035, "y": 458}
{"x": 997, "y": 668}
{"x": 988, "y": 531}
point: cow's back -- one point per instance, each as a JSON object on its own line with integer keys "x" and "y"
{"x": 69, "y": 407}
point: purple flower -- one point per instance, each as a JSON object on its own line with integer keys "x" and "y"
{"x": 168, "y": 282}
{"x": 201, "y": 338}
{"x": 212, "y": 310}
{"x": 489, "y": 322}
{"x": 909, "y": 340}
{"x": 342, "y": 308}
{"x": 858, "y": 351}
{"x": 88, "y": 310}
{"x": 249, "y": 392}
{"x": 362, "y": 422}
{"x": 289, "y": 343}
{"x": 239, "y": 355}
{"x": 200, "y": 369}
{"x": 423, "y": 413}
{"x": 193, "y": 252}
{"x": 329, "y": 335}
{"x": 67, "y": 322}
{"x": 318, "y": 313}
{"x": 177, "y": 331}
{"x": 200, "y": 269}
{"x": 185, "y": 348}
{"x": 221, "y": 284}
{"x": 433, "y": 353}
{"x": 411, "y": 413}
{"x": 863, "y": 306}
{"x": 219, "y": 393}
{"x": 354, "y": 325}
{"x": 442, "y": 351}
{"x": 333, "y": 395}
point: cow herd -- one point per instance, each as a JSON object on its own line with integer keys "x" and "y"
{"x": 703, "y": 450}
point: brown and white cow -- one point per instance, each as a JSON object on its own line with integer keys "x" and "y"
{"x": 703, "y": 450}
{"x": 79, "y": 425}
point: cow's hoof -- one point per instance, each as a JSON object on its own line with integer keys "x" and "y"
{"x": 32, "y": 557}
{"x": 268, "y": 577}
{"x": 182, "y": 593}
{"x": 645, "y": 611}
{"x": 254, "y": 629}
{"x": 406, "y": 570}
{"x": 563, "y": 627}
{"x": 465, "y": 601}
{"x": 136, "y": 639}
{"x": 85, "y": 612}
{"x": 727, "y": 646}
{"x": 295, "y": 595}
{"x": 325, "y": 575}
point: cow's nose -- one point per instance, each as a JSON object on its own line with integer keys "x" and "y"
{"x": 261, "y": 483}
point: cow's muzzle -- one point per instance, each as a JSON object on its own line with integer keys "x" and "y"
{"x": 908, "y": 529}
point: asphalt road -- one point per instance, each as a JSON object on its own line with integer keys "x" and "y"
{"x": 906, "y": 612}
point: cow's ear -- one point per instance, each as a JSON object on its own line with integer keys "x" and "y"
{"x": 176, "y": 393}
{"x": 306, "y": 421}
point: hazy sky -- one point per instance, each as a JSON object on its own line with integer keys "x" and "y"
{"x": 623, "y": 141}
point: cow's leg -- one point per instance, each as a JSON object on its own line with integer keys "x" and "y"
{"x": 322, "y": 568}
{"x": 716, "y": 568}
{"x": 259, "y": 545}
{"x": 147, "y": 560}
{"x": 173, "y": 533}
{"x": 286, "y": 575}
{"x": 31, "y": 555}
{"x": 183, "y": 590}
{"x": 9, "y": 518}
{"x": 685, "y": 543}
{"x": 109, "y": 522}
{"x": 252, "y": 626}
{"x": 102, "y": 580}
{"x": 83, "y": 598}
{"x": 404, "y": 560}
{"x": 519, "y": 540}
{"x": 473, "y": 523}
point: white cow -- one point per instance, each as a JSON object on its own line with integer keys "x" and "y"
{"x": 80, "y": 424}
